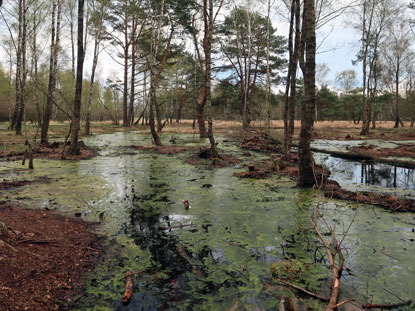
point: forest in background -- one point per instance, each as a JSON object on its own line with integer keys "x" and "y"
{"x": 250, "y": 61}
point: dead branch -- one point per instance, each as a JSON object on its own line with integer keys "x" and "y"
{"x": 336, "y": 269}
{"x": 38, "y": 241}
{"x": 386, "y": 254}
{"x": 8, "y": 246}
{"x": 301, "y": 289}
{"x": 128, "y": 287}
{"x": 396, "y": 296}
{"x": 344, "y": 302}
{"x": 387, "y": 306}
{"x": 66, "y": 140}
{"x": 178, "y": 227}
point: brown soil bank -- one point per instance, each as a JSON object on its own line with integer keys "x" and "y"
{"x": 43, "y": 257}
{"x": 51, "y": 151}
{"x": 407, "y": 151}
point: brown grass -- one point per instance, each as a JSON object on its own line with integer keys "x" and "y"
{"x": 322, "y": 129}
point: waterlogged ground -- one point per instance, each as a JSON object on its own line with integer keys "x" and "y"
{"x": 218, "y": 254}
{"x": 362, "y": 176}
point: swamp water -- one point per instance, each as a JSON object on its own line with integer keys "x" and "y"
{"x": 218, "y": 254}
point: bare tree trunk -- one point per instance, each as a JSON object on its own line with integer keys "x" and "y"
{"x": 76, "y": 116}
{"x": 287, "y": 139}
{"x": 92, "y": 84}
{"x": 125, "y": 122}
{"x": 156, "y": 26}
{"x": 201, "y": 99}
{"x": 71, "y": 26}
{"x": 35, "y": 69}
{"x": 133, "y": 64}
{"x": 268, "y": 77}
{"x": 200, "y": 110}
{"x": 10, "y": 77}
{"x": 23, "y": 72}
{"x": 159, "y": 118}
{"x": 305, "y": 163}
{"x": 294, "y": 68}
{"x": 18, "y": 67}
{"x": 366, "y": 38}
{"x": 246, "y": 118}
{"x": 208, "y": 57}
{"x": 53, "y": 69}
{"x": 290, "y": 92}
{"x": 176, "y": 107}
{"x": 397, "y": 117}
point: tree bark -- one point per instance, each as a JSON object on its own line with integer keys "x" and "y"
{"x": 91, "y": 87}
{"x": 133, "y": 64}
{"x": 71, "y": 26}
{"x": 246, "y": 118}
{"x": 294, "y": 68}
{"x": 34, "y": 71}
{"x": 125, "y": 122}
{"x": 268, "y": 74}
{"x": 397, "y": 117}
{"x": 208, "y": 57}
{"x": 305, "y": 163}
{"x": 289, "y": 77}
{"x": 366, "y": 41}
{"x": 76, "y": 116}
{"x": 23, "y": 72}
{"x": 200, "y": 110}
{"x": 156, "y": 26}
{"x": 18, "y": 66}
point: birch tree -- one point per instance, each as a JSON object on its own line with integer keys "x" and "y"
{"x": 21, "y": 66}
{"x": 396, "y": 54}
{"x": 76, "y": 115}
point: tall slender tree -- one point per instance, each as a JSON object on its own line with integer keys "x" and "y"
{"x": 290, "y": 90}
{"x": 76, "y": 116}
{"x": 53, "y": 68}
{"x": 305, "y": 163}
{"x": 99, "y": 11}
{"x": 204, "y": 52}
{"x": 21, "y": 66}
{"x": 396, "y": 54}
